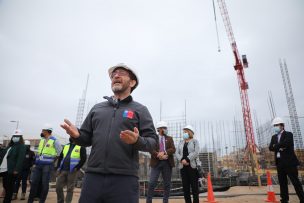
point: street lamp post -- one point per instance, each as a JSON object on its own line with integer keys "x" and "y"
{"x": 17, "y": 123}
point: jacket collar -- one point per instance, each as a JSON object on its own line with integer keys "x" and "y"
{"x": 117, "y": 102}
{"x": 183, "y": 141}
{"x": 282, "y": 133}
{"x": 165, "y": 138}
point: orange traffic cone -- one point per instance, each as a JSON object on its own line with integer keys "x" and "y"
{"x": 210, "y": 197}
{"x": 270, "y": 191}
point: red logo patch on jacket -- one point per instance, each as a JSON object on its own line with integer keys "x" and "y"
{"x": 128, "y": 114}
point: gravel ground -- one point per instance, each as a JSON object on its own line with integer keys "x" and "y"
{"x": 239, "y": 194}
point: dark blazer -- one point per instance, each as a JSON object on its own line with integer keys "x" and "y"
{"x": 170, "y": 149}
{"x": 286, "y": 148}
{"x": 15, "y": 157}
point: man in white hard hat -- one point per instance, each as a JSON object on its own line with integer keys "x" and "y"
{"x": 162, "y": 161}
{"x": 116, "y": 129}
{"x": 286, "y": 160}
{"x": 49, "y": 150}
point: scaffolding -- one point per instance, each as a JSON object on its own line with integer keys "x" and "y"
{"x": 295, "y": 126}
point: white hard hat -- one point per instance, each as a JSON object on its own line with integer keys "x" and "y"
{"x": 277, "y": 121}
{"x": 189, "y": 127}
{"x": 161, "y": 124}
{"x": 27, "y": 142}
{"x": 124, "y": 66}
{"x": 47, "y": 127}
{"x": 17, "y": 132}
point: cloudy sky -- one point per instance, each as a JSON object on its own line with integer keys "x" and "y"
{"x": 47, "y": 48}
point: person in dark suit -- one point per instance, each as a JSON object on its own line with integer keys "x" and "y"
{"x": 286, "y": 160}
{"x": 162, "y": 161}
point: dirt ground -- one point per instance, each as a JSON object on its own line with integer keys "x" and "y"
{"x": 239, "y": 194}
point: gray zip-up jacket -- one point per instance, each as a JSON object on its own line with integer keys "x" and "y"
{"x": 101, "y": 130}
{"x": 193, "y": 149}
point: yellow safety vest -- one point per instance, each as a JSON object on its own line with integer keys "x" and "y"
{"x": 46, "y": 152}
{"x": 74, "y": 156}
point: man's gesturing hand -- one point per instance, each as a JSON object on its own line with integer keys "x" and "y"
{"x": 129, "y": 137}
{"x": 70, "y": 128}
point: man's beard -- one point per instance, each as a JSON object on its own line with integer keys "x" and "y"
{"x": 119, "y": 88}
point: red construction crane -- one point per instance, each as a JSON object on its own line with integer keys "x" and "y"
{"x": 243, "y": 85}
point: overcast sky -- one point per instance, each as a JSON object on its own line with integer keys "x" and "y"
{"x": 47, "y": 48}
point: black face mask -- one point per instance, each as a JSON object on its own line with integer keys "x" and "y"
{"x": 71, "y": 140}
{"x": 41, "y": 135}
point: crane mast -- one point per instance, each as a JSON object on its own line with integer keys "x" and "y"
{"x": 243, "y": 85}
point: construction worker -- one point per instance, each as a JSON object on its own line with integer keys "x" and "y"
{"x": 26, "y": 168}
{"x": 70, "y": 161}
{"x": 162, "y": 161}
{"x": 116, "y": 129}
{"x": 11, "y": 160}
{"x": 286, "y": 160}
{"x": 48, "y": 150}
{"x": 187, "y": 154}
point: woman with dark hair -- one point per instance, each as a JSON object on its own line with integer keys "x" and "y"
{"x": 28, "y": 162}
{"x": 187, "y": 153}
{"x": 11, "y": 160}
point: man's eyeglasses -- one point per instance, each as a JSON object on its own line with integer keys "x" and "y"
{"x": 119, "y": 73}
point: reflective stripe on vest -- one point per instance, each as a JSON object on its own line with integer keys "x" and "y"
{"x": 74, "y": 156}
{"x": 46, "y": 152}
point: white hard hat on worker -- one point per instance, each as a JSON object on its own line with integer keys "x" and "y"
{"x": 17, "y": 132}
{"x": 47, "y": 127}
{"x": 161, "y": 124}
{"x": 277, "y": 121}
{"x": 27, "y": 142}
{"x": 122, "y": 70}
{"x": 189, "y": 127}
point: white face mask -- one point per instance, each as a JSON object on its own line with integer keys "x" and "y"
{"x": 186, "y": 136}
{"x": 165, "y": 132}
{"x": 15, "y": 139}
{"x": 276, "y": 129}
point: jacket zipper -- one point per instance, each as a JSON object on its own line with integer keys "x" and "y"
{"x": 108, "y": 136}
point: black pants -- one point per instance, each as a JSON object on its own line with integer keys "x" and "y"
{"x": 190, "y": 179}
{"x": 8, "y": 184}
{"x": 106, "y": 188}
{"x": 22, "y": 178}
{"x": 292, "y": 173}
